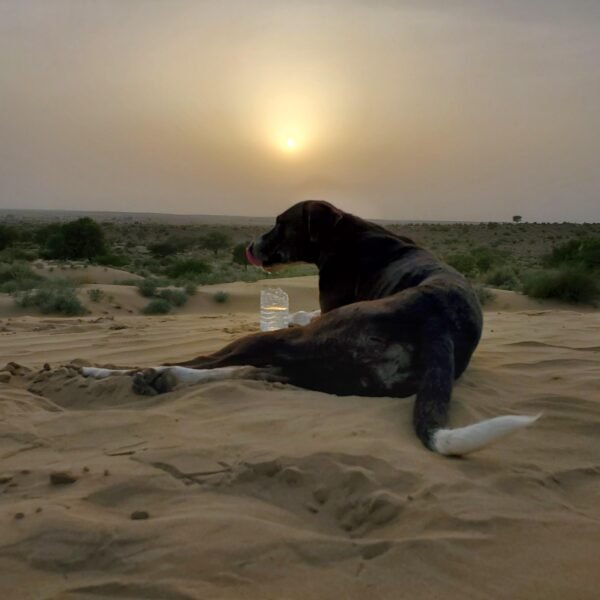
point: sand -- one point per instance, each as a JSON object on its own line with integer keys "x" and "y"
{"x": 255, "y": 490}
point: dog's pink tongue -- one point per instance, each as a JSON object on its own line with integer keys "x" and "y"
{"x": 251, "y": 258}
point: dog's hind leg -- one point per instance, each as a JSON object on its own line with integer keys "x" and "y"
{"x": 433, "y": 401}
{"x": 268, "y": 348}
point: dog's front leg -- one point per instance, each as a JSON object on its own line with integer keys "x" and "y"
{"x": 159, "y": 380}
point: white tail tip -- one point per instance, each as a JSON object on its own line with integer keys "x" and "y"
{"x": 456, "y": 442}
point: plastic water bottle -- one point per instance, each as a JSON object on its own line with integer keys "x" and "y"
{"x": 274, "y": 309}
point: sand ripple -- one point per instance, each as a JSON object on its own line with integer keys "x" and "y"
{"x": 255, "y": 490}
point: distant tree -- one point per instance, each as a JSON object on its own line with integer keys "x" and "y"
{"x": 517, "y": 219}
{"x": 163, "y": 249}
{"x": 215, "y": 241}
{"x": 80, "y": 239}
{"x": 239, "y": 254}
{"x": 171, "y": 246}
{"x": 8, "y": 236}
{"x": 42, "y": 234}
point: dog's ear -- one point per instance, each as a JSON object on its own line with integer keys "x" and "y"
{"x": 320, "y": 218}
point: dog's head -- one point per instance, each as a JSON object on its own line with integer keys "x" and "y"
{"x": 298, "y": 235}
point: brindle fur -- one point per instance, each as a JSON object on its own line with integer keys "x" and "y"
{"x": 395, "y": 320}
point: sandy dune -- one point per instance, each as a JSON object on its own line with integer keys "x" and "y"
{"x": 256, "y": 490}
{"x": 84, "y": 274}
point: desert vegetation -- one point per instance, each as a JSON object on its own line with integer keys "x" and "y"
{"x": 544, "y": 260}
{"x": 50, "y": 297}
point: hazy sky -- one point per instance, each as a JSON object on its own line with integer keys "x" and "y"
{"x": 423, "y": 109}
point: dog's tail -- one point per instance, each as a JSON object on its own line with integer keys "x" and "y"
{"x": 464, "y": 440}
{"x": 433, "y": 400}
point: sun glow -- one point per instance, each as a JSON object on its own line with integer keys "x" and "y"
{"x": 290, "y": 142}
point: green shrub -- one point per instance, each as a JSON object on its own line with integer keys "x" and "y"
{"x": 44, "y": 232}
{"x": 18, "y": 253}
{"x": 187, "y": 268}
{"x": 221, "y": 297}
{"x": 483, "y": 294}
{"x": 584, "y": 252}
{"x": 167, "y": 248}
{"x": 95, "y": 295}
{"x": 502, "y": 277}
{"x": 111, "y": 260}
{"x": 8, "y": 236}
{"x": 175, "y": 297}
{"x": 569, "y": 284}
{"x": 486, "y": 257}
{"x": 18, "y": 276}
{"x": 52, "y": 297}
{"x": 147, "y": 287}
{"x": 477, "y": 261}
{"x": 130, "y": 282}
{"x": 157, "y": 306}
{"x": 463, "y": 263}
{"x": 239, "y": 254}
{"x": 80, "y": 239}
{"x": 215, "y": 241}
{"x": 190, "y": 289}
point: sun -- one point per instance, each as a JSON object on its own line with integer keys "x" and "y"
{"x": 290, "y": 141}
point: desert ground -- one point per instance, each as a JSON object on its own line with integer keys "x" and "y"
{"x": 264, "y": 491}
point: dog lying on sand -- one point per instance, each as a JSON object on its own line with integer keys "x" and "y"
{"x": 395, "y": 321}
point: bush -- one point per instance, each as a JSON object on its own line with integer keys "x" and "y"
{"x": 187, "y": 268}
{"x": 168, "y": 248}
{"x": 8, "y": 236}
{"x": 44, "y": 232}
{"x": 463, "y": 263}
{"x": 147, "y": 287}
{"x": 584, "y": 252}
{"x": 95, "y": 295}
{"x": 239, "y": 255}
{"x": 175, "y": 297}
{"x": 111, "y": 260}
{"x": 18, "y": 276}
{"x": 221, "y": 297}
{"x": 569, "y": 284}
{"x": 80, "y": 239}
{"x": 157, "y": 306}
{"x": 52, "y": 297}
{"x": 16, "y": 253}
{"x": 479, "y": 260}
{"x": 190, "y": 289}
{"x": 215, "y": 241}
{"x": 483, "y": 294}
{"x": 485, "y": 258}
{"x": 503, "y": 277}
{"x": 130, "y": 282}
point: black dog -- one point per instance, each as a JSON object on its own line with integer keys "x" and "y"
{"x": 395, "y": 321}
